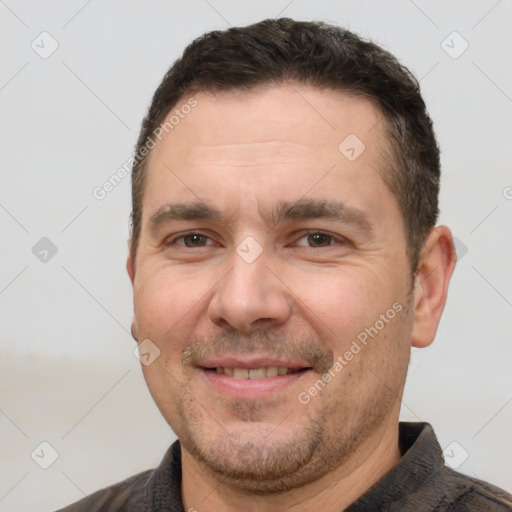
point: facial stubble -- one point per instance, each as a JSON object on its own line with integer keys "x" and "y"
{"x": 294, "y": 451}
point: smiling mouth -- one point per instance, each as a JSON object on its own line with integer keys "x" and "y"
{"x": 256, "y": 373}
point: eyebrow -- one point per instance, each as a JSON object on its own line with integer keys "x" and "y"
{"x": 303, "y": 209}
{"x": 183, "y": 211}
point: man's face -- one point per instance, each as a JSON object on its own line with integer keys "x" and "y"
{"x": 267, "y": 255}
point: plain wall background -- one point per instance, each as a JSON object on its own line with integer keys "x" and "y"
{"x": 68, "y": 374}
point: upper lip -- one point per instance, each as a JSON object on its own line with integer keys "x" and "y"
{"x": 250, "y": 362}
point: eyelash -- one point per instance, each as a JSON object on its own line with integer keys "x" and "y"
{"x": 334, "y": 239}
{"x": 182, "y": 236}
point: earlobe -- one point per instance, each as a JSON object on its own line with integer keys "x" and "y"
{"x": 437, "y": 263}
{"x": 130, "y": 268}
{"x": 130, "y": 264}
{"x": 135, "y": 330}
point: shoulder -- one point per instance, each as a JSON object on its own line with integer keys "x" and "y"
{"x": 471, "y": 494}
{"x": 423, "y": 481}
{"x": 125, "y": 495}
{"x": 141, "y": 492}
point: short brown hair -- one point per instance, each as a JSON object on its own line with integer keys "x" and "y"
{"x": 277, "y": 51}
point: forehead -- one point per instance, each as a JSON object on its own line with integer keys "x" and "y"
{"x": 267, "y": 143}
{"x": 291, "y": 114}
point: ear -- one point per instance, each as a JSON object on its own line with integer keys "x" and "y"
{"x": 130, "y": 268}
{"x": 134, "y": 329}
{"x": 130, "y": 263}
{"x": 437, "y": 262}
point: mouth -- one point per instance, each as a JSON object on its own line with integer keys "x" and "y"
{"x": 252, "y": 379}
{"x": 255, "y": 373}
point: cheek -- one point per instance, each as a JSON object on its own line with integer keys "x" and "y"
{"x": 165, "y": 301}
{"x": 342, "y": 303}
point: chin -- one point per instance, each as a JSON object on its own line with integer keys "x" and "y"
{"x": 258, "y": 456}
{"x": 257, "y": 460}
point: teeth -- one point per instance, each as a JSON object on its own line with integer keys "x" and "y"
{"x": 257, "y": 374}
{"x": 254, "y": 373}
{"x": 271, "y": 371}
{"x": 240, "y": 373}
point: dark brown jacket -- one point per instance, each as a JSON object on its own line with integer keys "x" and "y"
{"x": 419, "y": 482}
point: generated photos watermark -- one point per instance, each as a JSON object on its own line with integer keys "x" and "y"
{"x": 100, "y": 192}
{"x": 355, "y": 348}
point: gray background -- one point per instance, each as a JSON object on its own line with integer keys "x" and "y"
{"x": 70, "y": 120}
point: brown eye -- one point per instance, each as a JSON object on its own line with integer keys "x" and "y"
{"x": 319, "y": 240}
{"x": 194, "y": 240}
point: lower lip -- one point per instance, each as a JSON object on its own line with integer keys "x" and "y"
{"x": 251, "y": 388}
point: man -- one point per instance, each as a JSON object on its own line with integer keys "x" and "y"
{"x": 284, "y": 259}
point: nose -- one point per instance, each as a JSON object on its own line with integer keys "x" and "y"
{"x": 251, "y": 296}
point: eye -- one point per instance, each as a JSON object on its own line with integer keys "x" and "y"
{"x": 317, "y": 240}
{"x": 191, "y": 240}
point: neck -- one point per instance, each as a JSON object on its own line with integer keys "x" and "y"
{"x": 335, "y": 491}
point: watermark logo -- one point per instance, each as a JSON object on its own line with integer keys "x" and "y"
{"x": 249, "y": 249}
{"x": 355, "y": 348}
{"x": 44, "y": 250}
{"x": 44, "y": 455}
{"x": 45, "y": 45}
{"x": 461, "y": 248}
{"x": 455, "y": 455}
{"x": 454, "y": 45}
{"x": 100, "y": 192}
{"x": 146, "y": 352}
{"x": 351, "y": 147}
